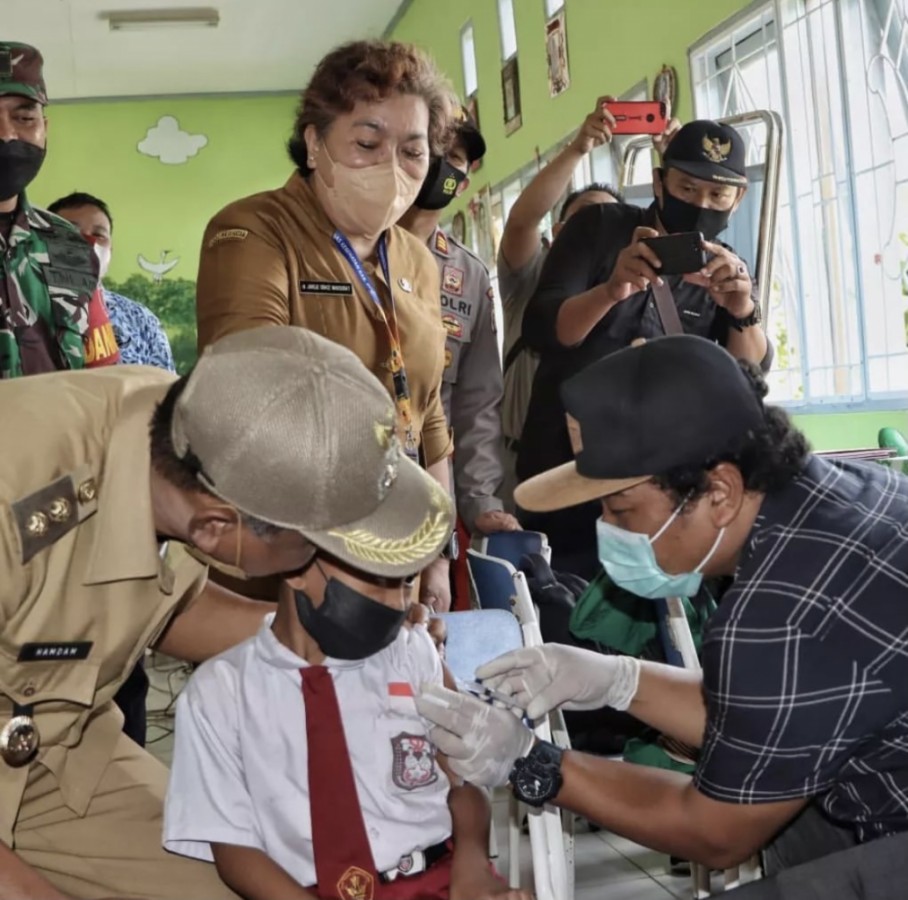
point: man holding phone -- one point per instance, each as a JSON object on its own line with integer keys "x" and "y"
{"x": 597, "y": 294}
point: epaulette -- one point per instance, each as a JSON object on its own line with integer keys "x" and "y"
{"x": 51, "y": 512}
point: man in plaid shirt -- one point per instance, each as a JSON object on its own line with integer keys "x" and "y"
{"x": 800, "y": 713}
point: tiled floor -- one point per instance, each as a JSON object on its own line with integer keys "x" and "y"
{"x": 606, "y": 867}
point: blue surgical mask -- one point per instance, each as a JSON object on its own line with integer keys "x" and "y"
{"x": 629, "y": 560}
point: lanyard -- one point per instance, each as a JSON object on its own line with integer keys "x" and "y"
{"x": 396, "y": 361}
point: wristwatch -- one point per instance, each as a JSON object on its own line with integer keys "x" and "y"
{"x": 745, "y": 321}
{"x": 451, "y": 550}
{"x": 536, "y": 777}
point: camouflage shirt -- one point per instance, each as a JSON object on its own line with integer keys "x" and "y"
{"x": 51, "y": 314}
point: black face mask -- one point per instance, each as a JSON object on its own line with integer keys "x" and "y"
{"x": 440, "y": 186}
{"x": 20, "y": 162}
{"x": 348, "y": 624}
{"x": 678, "y": 215}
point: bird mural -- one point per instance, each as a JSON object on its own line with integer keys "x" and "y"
{"x": 158, "y": 270}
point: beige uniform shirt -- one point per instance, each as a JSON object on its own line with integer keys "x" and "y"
{"x": 84, "y": 585}
{"x": 270, "y": 259}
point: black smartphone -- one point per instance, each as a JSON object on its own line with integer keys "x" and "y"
{"x": 679, "y": 253}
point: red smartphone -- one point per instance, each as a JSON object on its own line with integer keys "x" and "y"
{"x": 637, "y": 116}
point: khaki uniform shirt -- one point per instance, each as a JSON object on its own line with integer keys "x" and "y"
{"x": 270, "y": 259}
{"x": 472, "y": 378}
{"x": 84, "y": 585}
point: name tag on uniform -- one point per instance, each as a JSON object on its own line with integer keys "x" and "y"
{"x": 57, "y": 650}
{"x": 326, "y": 287}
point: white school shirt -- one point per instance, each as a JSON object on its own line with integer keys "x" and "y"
{"x": 240, "y": 764}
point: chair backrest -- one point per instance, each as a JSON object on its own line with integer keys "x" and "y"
{"x": 514, "y": 545}
{"x": 476, "y": 636}
{"x": 493, "y": 581}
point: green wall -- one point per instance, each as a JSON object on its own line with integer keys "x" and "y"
{"x": 92, "y": 147}
{"x": 612, "y": 45}
{"x": 846, "y": 431}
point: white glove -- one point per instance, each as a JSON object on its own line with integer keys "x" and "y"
{"x": 544, "y": 678}
{"x": 481, "y": 741}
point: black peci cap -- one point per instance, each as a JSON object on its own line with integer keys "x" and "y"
{"x": 708, "y": 150}
{"x": 673, "y": 401}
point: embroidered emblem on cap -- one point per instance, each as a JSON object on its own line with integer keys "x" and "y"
{"x": 356, "y": 884}
{"x": 714, "y": 150}
{"x": 431, "y": 534}
{"x": 414, "y": 761}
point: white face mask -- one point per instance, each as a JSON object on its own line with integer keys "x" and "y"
{"x": 630, "y": 561}
{"x": 365, "y": 201}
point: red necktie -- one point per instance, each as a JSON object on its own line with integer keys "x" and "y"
{"x": 343, "y": 858}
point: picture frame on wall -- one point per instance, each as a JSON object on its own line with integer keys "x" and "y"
{"x": 459, "y": 228}
{"x": 556, "y": 54}
{"x": 665, "y": 87}
{"x": 471, "y": 105}
{"x": 510, "y": 92}
{"x": 484, "y": 244}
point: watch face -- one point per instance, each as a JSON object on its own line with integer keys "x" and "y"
{"x": 535, "y": 786}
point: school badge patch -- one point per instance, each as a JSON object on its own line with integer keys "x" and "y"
{"x": 414, "y": 762}
{"x": 452, "y": 280}
{"x": 356, "y": 884}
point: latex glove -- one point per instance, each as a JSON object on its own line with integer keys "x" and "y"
{"x": 554, "y": 676}
{"x": 481, "y": 741}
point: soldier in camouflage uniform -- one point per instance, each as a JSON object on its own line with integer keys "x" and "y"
{"x": 52, "y": 315}
{"x": 472, "y": 385}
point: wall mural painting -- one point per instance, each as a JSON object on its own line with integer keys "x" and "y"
{"x": 171, "y": 299}
{"x": 167, "y": 142}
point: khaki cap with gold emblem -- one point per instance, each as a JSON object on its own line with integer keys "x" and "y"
{"x": 293, "y": 429}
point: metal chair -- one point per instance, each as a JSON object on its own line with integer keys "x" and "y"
{"x": 499, "y": 586}
{"x": 514, "y": 545}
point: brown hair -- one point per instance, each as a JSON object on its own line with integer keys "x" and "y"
{"x": 370, "y": 71}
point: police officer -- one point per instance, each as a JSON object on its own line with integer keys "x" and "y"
{"x": 103, "y": 538}
{"x": 52, "y": 315}
{"x": 472, "y": 385}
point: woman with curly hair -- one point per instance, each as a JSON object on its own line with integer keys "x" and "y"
{"x": 323, "y": 251}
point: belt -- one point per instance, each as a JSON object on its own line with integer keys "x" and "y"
{"x": 417, "y": 862}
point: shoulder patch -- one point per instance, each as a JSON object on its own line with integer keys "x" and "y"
{"x": 441, "y": 242}
{"x": 45, "y": 516}
{"x": 228, "y": 234}
{"x": 452, "y": 280}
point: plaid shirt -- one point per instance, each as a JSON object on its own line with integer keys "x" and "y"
{"x": 805, "y": 663}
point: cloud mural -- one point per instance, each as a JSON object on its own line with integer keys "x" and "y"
{"x": 167, "y": 142}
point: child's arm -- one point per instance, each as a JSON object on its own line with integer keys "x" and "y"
{"x": 254, "y": 876}
{"x": 472, "y": 877}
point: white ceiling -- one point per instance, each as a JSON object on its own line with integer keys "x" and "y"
{"x": 259, "y": 45}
